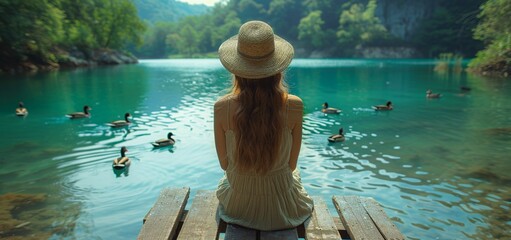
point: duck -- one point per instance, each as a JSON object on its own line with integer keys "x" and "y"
{"x": 329, "y": 110}
{"x": 430, "y": 94}
{"x": 121, "y": 123}
{"x": 121, "y": 161}
{"x": 169, "y": 141}
{"x": 337, "y": 137}
{"x": 465, "y": 89}
{"x": 84, "y": 114}
{"x": 21, "y": 111}
{"x": 387, "y": 106}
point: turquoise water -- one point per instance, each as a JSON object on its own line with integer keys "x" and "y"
{"x": 439, "y": 167}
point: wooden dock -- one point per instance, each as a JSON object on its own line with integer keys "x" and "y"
{"x": 358, "y": 218}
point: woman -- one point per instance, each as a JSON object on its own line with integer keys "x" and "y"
{"x": 258, "y": 133}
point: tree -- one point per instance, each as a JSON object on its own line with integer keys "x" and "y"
{"x": 285, "y": 13}
{"x": 330, "y": 11}
{"x": 449, "y": 29}
{"x": 118, "y": 24}
{"x": 155, "y": 41}
{"x": 250, "y": 10}
{"x": 494, "y": 30}
{"x": 309, "y": 29}
{"x": 358, "y": 26}
{"x": 494, "y": 24}
{"x": 185, "y": 42}
{"x": 28, "y": 30}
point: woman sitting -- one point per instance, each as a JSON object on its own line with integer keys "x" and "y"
{"x": 258, "y": 133}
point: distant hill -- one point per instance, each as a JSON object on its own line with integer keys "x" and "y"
{"x": 167, "y": 10}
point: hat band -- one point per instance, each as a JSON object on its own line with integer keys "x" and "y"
{"x": 255, "y": 57}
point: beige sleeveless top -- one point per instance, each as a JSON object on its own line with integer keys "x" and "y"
{"x": 273, "y": 201}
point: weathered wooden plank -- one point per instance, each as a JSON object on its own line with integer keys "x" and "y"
{"x": 340, "y": 227}
{"x": 354, "y": 217}
{"x": 201, "y": 220}
{"x": 381, "y": 220}
{"x": 338, "y": 223}
{"x": 321, "y": 226}
{"x": 162, "y": 220}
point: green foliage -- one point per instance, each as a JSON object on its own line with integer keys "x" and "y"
{"x": 449, "y": 29}
{"x": 186, "y": 40}
{"x": 330, "y": 10}
{"x": 29, "y": 29}
{"x": 154, "y": 41}
{"x": 284, "y": 16}
{"x": 495, "y": 21}
{"x": 358, "y": 25}
{"x": 333, "y": 26}
{"x": 32, "y": 29}
{"x": 310, "y": 30}
{"x": 447, "y": 62}
{"x": 154, "y": 11}
{"x": 118, "y": 24}
{"x": 250, "y": 9}
{"x": 494, "y": 30}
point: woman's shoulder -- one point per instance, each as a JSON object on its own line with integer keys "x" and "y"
{"x": 295, "y": 102}
{"x": 222, "y": 101}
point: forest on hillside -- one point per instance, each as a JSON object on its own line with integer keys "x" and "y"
{"x": 57, "y": 32}
{"x": 42, "y": 33}
{"x": 328, "y": 28}
{"x": 167, "y": 10}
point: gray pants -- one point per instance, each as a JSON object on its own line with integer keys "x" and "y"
{"x": 235, "y": 232}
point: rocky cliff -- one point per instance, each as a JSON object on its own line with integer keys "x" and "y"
{"x": 402, "y": 17}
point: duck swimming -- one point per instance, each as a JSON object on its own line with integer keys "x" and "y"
{"x": 387, "y": 106}
{"x": 164, "y": 141}
{"x": 337, "y": 137}
{"x": 121, "y": 123}
{"x": 329, "y": 110}
{"x": 430, "y": 94}
{"x": 465, "y": 89}
{"x": 122, "y": 161}
{"x": 84, "y": 114}
{"x": 21, "y": 110}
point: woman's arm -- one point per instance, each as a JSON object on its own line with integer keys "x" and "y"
{"x": 295, "y": 118}
{"x": 219, "y": 116}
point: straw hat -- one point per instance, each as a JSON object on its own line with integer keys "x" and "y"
{"x": 256, "y": 52}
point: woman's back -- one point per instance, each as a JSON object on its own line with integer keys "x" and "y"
{"x": 271, "y": 201}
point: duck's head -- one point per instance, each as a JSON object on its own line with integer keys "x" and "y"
{"x": 20, "y": 104}
{"x": 86, "y": 109}
{"x": 341, "y": 131}
{"x": 169, "y": 135}
{"x": 429, "y": 91}
{"x": 123, "y": 150}
{"x": 389, "y": 103}
{"x": 325, "y": 105}
{"x": 126, "y": 116}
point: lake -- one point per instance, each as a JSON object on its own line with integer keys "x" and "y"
{"x": 439, "y": 167}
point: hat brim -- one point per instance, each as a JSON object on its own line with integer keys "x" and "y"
{"x": 252, "y": 68}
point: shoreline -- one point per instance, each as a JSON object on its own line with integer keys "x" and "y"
{"x": 73, "y": 58}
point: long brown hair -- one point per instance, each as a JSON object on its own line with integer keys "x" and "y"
{"x": 258, "y": 121}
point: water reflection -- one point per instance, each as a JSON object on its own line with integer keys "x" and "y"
{"x": 120, "y": 172}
